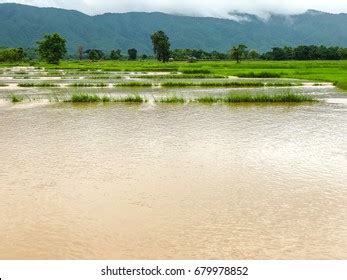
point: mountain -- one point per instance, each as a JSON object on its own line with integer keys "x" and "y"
{"x": 22, "y": 26}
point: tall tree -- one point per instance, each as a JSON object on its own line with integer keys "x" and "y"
{"x": 161, "y": 46}
{"x": 116, "y": 54}
{"x": 132, "y": 54}
{"x": 52, "y": 48}
{"x": 80, "y": 52}
{"x": 237, "y": 52}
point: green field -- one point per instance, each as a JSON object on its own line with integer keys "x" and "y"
{"x": 322, "y": 71}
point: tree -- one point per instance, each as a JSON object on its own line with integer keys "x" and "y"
{"x": 116, "y": 54}
{"x": 253, "y": 54}
{"x": 94, "y": 54}
{"x": 161, "y": 46}
{"x": 52, "y": 48}
{"x": 132, "y": 54}
{"x": 237, "y": 52}
{"x": 12, "y": 55}
{"x": 80, "y": 52}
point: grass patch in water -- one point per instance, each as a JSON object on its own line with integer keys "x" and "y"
{"x": 37, "y": 85}
{"x": 259, "y": 75}
{"x": 196, "y": 71}
{"x": 3, "y": 85}
{"x": 284, "y": 84}
{"x": 133, "y": 84}
{"x": 130, "y": 99}
{"x": 88, "y": 85}
{"x": 171, "y": 99}
{"x": 178, "y": 76}
{"x": 93, "y": 98}
{"x": 16, "y": 98}
{"x": 213, "y": 84}
{"x": 257, "y": 98}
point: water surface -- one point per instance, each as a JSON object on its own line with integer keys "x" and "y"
{"x": 173, "y": 181}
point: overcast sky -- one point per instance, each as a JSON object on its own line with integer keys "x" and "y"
{"x": 214, "y": 8}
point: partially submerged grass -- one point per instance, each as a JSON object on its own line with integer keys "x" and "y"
{"x": 213, "y": 84}
{"x": 178, "y": 76}
{"x": 257, "y": 98}
{"x": 259, "y": 75}
{"x": 283, "y": 84}
{"x": 133, "y": 84}
{"x": 88, "y": 85}
{"x": 37, "y": 85}
{"x": 171, "y": 99}
{"x": 130, "y": 99}
{"x": 16, "y": 98}
{"x": 93, "y": 98}
{"x": 196, "y": 71}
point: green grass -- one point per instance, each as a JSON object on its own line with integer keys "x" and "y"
{"x": 130, "y": 99}
{"x": 196, "y": 71}
{"x": 208, "y": 99}
{"x": 16, "y": 98}
{"x": 37, "y": 85}
{"x": 88, "y": 85}
{"x": 257, "y": 98}
{"x": 171, "y": 99}
{"x": 178, "y": 76}
{"x": 3, "y": 85}
{"x": 213, "y": 84}
{"x": 93, "y": 98}
{"x": 133, "y": 84}
{"x": 283, "y": 84}
{"x": 259, "y": 75}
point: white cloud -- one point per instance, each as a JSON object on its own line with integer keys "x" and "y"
{"x": 214, "y": 8}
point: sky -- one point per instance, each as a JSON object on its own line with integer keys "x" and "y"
{"x": 213, "y": 8}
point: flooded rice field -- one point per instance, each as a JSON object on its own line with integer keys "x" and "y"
{"x": 170, "y": 181}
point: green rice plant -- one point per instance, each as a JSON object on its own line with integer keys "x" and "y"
{"x": 88, "y": 85}
{"x": 84, "y": 98}
{"x": 171, "y": 99}
{"x": 283, "y": 84}
{"x": 207, "y": 99}
{"x": 213, "y": 84}
{"x": 266, "y": 98}
{"x": 130, "y": 99}
{"x": 188, "y": 76}
{"x": 257, "y": 98}
{"x": 157, "y": 69}
{"x": 259, "y": 75}
{"x": 16, "y": 98}
{"x": 93, "y": 98}
{"x": 196, "y": 71}
{"x": 37, "y": 85}
{"x": 133, "y": 84}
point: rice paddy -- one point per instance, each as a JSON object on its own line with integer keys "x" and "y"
{"x": 89, "y": 85}
{"x": 257, "y": 98}
{"x": 133, "y": 84}
{"x": 171, "y": 99}
{"x": 16, "y": 98}
{"x": 214, "y": 84}
{"x": 259, "y": 75}
{"x": 43, "y": 85}
{"x": 93, "y": 98}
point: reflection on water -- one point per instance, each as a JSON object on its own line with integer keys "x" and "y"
{"x": 173, "y": 182}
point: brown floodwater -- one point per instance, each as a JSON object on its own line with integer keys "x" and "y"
{"x": 173, "y": 181}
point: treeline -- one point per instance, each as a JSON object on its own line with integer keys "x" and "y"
{"x": 11, "y": 54}
{"x": 52, "y": 48}
{"x": 306, "y": 53}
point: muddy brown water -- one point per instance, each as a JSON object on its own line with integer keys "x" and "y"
{"x": 173, "y": 181}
